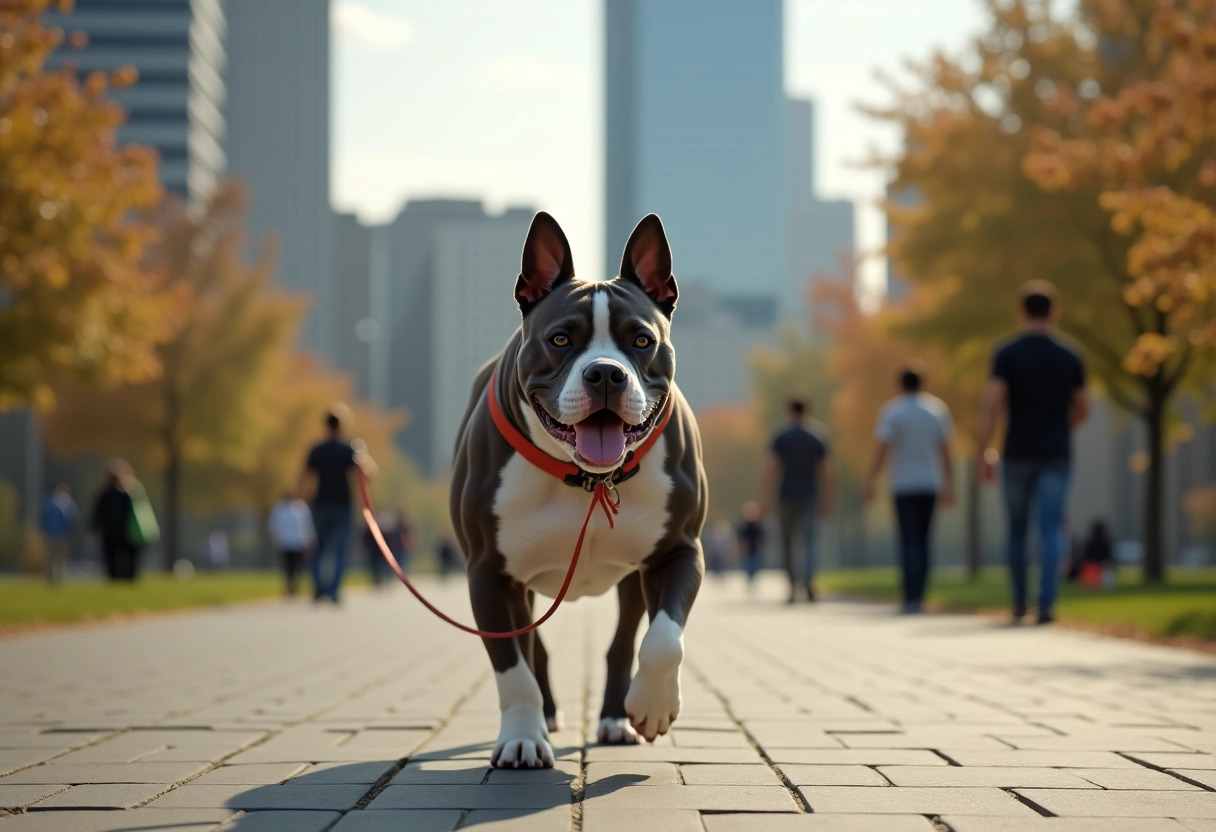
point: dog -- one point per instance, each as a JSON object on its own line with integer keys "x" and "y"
{"x": 588, "y": 379}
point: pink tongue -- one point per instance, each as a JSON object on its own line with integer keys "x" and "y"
{"x": 600, "y": 439}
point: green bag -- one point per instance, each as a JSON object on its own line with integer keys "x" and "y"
{"x": 142, "y": 528}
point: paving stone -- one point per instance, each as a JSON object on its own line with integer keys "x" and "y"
{"x": 400, "y": 820}
{"x": 909, "y": 800}
{"x": 248, "y": 775}
{"x": 564, "y": 772}
{"x": 832, "y": 775}
{"x": 961, "y": 823}
{"x": 12, "y": 759}
{"x": 1007, "y": 777}
{"x": 669, "y": 754}
{"x": 729, "y": 775}
{"x": 704, "y": 798}
{"x": 556, "y": 819}
{"x": 1126, "y": 804}
{"x": 472, "y": 797}
{"x": 138, "y": 820}
{"x": 1196, "y": 825}
{"x": 1203, "y": 761}
{"x": 709, "y": 739}
{"x": 18, "y": 797}
{"x": 922, "y": 739}
{"x": 328, "y": 774}
{"x": 1205, "y": 776}
{"x": 860, "y": 756}
{"x": 597, "y": 818}
{"x": 284, "y": 821}
{"x": 443, "y": 773}
{"x": 77, "y": 773}
{"x": 634, "y": 774}
{"x": 287, "y": 796}
{"x": 816, "y": 823}
{"x": 101, "y": 796}
{"x": 1039, "y": 759}
{"x": 47, "y": 739}
{"x": 1129, "y": 778}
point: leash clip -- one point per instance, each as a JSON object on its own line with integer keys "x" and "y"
{"x": 610, "y": 487}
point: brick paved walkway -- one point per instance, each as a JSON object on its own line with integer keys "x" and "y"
{"x": 375, "y": 717}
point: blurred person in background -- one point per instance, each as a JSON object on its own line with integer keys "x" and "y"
{"x": 396, "y": 534}
{"x": 123, "y": 521}
{"x": 447, "y": 555}
{"x": 330, "y": 464}
{"x": 750, "y": 537}
{"x": 716, "y": 542}
{"x": 798, "y": 470}
{"x": 57, "y": 520}
{"x": 291, "y": 532}
{"x": 1095, "y": 567}
{"x": 914, "y": 432}
{"x": 1038, "y": 384}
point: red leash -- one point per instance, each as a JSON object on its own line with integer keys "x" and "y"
{"x": 603, "y": 494}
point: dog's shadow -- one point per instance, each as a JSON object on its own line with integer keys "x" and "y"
{"x": 434, "y": 791}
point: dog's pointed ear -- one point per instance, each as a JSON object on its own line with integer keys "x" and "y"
{"x": 647, "y": 262}
{"x": 547, "y": 262}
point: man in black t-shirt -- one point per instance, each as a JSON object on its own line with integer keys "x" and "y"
{"x": 800, "y": 457}
{"x": 330, "y": 463}
{"x": 1038, "y": 382}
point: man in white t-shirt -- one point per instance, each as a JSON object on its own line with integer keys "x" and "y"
{"x": 291, "y": 531}
{"x": 914, "y": 433}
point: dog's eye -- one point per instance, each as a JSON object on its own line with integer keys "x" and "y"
{"x": 642, "y": 342}
{"x": 559, "y": 341}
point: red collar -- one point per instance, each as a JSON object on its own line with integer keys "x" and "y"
{"x": 568, "y": 472}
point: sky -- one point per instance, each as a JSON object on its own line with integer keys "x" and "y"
{"x": 504, "y": 101}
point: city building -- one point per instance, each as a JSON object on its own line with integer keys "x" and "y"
{"x": 177, "y": 104}
{"x": 451, "y": 270}
{"x": 277, "y": 140}
{"x": 695, "y": 131}
{"x": 357, "y": 332}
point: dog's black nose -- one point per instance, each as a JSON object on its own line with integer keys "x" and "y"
{"x": 605, "y": 376}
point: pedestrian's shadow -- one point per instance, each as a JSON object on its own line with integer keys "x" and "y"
{"x": 442, "y": 788}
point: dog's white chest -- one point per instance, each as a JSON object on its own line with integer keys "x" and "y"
{"x": 539, "y": 518}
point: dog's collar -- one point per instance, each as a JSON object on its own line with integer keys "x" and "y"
{"x": 568, "y": 472}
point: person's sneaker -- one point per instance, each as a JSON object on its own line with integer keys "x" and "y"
{"x": 1045, "y": 617}
{"x": 1018, "y": 614}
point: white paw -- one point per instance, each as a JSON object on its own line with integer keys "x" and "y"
{"x": 527, "y": 749}
{"x": 653, "y": 701}
{"x": 555, "y": 722}
{"x": 616, "y": 731}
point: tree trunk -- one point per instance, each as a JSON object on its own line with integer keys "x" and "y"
{"x": 1154, "y": 545}
{"x": 975, "y": 555}
{"x": 173, "y": 479}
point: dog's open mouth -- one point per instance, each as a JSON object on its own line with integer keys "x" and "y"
{"x": 602, "y": 437}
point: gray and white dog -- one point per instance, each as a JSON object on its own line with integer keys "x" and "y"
{"x": 587, "y": 378}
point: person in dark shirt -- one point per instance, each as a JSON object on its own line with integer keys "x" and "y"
{"x": 751, "y": 540}
{"x": 1038, "y": 383}
{"x": 330, "y": 463}
{"x": 111, "y": 521}
{"x": 799, "y": 457}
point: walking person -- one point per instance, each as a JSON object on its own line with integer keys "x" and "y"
{"x": 330, "y": 463}
{"x": 291, "y": 533}
{"x": 798, "y": 470}
{"x": 112, "y": 520}
{"x": 914, "y": 432}
{"x": 57, "y": 519}
{"x": 1038, "y": 384}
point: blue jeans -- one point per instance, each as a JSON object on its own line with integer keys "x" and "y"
{"x": 332, "y": 524}
{"x": 1042, "y": 483}
{"x": 798, "y": 532}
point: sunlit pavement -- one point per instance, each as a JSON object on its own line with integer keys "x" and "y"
{"x": 375, "y": 716}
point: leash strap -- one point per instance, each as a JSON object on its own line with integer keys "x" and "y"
{"x": 603, "y": 495}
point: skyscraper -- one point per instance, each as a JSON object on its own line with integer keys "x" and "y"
{"x": 278, "y": 142}
{"x": 695, "y": 130}
{"x": 176, "y": 106}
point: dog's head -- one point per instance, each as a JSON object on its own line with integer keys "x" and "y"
{"x": 596, "y": 361}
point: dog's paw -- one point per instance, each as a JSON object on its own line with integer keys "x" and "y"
{"x": 555, "y": 722}
{"x": 616, "y": 731}
{"x": 653, "y": 702}
{"x": 522, "y": 752}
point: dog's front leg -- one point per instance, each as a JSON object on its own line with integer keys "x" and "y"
{"x": 523, "y": 741}
{"x": 670, "y": 586}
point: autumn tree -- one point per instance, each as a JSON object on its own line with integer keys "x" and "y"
{"x": 210, "y": 404}
{"x": 75, "y": 300}
{"x": 998, "y": 175}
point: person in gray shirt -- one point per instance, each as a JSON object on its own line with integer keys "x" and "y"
{"x": 914, "y": 434}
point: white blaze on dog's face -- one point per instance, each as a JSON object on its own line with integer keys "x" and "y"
{"x": 596, "y": 362}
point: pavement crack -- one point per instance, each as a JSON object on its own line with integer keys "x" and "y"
{"x": 1170, "y": 772}
{"x": 1026, "y": 801}
{"x": 795, "y": 795}
{"x": 578, "y": 788}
